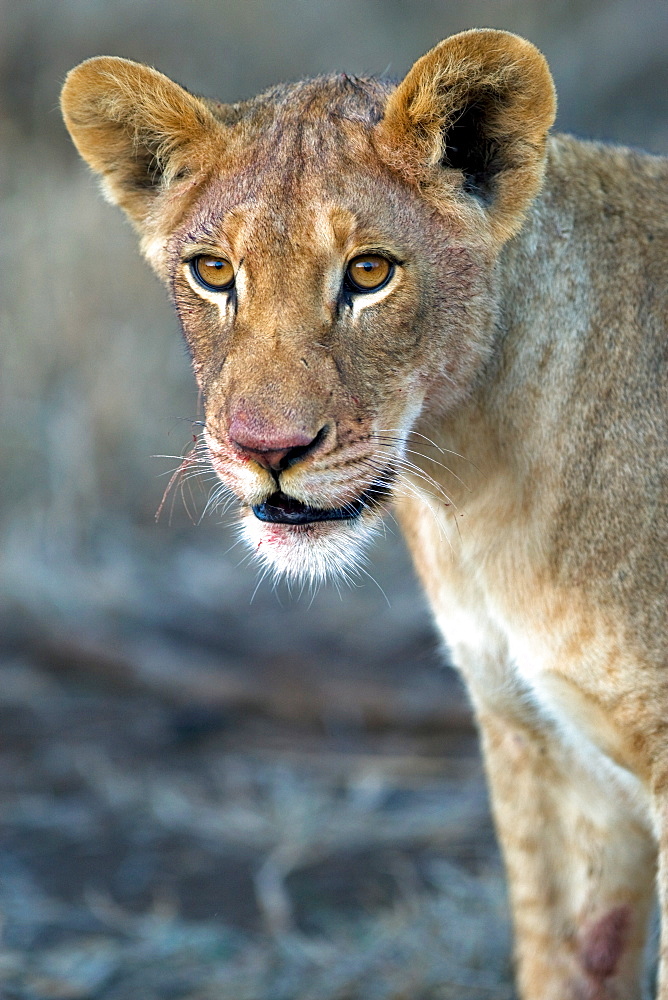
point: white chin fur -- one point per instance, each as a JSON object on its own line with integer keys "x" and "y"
{"x": 313, "y": 553}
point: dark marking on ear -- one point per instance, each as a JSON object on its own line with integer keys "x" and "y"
{"x": 469, "y": 147}
{"x": 479, "y": 103}
{"x": 184, "y": 172}
{"x": 147, "y": 173}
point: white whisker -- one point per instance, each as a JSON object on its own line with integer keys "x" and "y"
{"x": 391, "y": 442}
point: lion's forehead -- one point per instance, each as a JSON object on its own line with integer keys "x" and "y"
{"x": 289, "y": 211}
{"x": 335, "y": 98}
{"x": 302, "y": 157}
{"x": 287, "y": 229}
{"x": 320, "y": 126}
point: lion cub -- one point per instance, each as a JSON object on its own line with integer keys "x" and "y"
{"x": 412, "y": 295}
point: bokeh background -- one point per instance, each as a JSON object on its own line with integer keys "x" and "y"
{"x": 208, "y": 790}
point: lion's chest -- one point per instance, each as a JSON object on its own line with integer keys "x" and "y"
{"x": 529, "y": 652}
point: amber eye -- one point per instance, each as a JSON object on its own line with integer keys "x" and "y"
{"x": 368, "y": 272}
{"x": 215, "y": 273}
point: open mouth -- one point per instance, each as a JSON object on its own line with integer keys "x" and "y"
{"x": 282, "y": 509}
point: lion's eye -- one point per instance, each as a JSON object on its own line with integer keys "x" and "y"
{"x": 369, "y": 272}
{"x": 215, "y": 273}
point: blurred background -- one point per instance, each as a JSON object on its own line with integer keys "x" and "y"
{"x": 209, "y": 790}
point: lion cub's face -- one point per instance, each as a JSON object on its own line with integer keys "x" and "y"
{"x": 329, "y": 249}
{"x": 322, "y": 303}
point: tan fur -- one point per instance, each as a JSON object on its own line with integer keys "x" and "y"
{"x": 507, "y": 388}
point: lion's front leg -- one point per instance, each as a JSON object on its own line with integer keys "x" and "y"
{"x": 660, "y": 809}
{"x": 580, "y": 867}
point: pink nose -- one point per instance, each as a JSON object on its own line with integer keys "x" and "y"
{"x": 268, "y": 446}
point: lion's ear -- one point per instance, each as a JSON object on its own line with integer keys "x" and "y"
{"x": 480, "y": 103}
{"x": 136, "y": 128}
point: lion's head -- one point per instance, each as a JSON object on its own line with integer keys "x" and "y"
{"x": 329, "y": 248}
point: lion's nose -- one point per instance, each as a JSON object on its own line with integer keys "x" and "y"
{"x": 272, "y": 449}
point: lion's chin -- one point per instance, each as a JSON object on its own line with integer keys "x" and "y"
{"x": 312, "y": 550}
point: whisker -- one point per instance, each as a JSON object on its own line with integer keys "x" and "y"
{"x": 239, "y": 541}
{"x": 398, "y": 435}
{"x": 389, "y": 441}
{"x": 419, "y": 473}
{"x": 264, "y": 573}
{"x": 195, "y": 466}
{"x": 410, "y": 491}
{"x": 370, "y": 576}
{"x": 219, "y": 494}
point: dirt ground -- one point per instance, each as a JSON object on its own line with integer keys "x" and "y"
{"x": 179, "y": 822}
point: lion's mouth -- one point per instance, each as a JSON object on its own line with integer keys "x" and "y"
{"x": 280, "y": 508}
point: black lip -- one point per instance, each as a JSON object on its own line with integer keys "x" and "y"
{"x": 282, "y": 509}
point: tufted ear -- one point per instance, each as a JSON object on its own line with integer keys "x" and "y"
{"x": 479, "y": 103}
{"x": 136, "y": 128}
